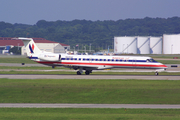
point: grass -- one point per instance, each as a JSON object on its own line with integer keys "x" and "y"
{"x": 31, "y": 68}
{"x": 90, "y": 91}
{"x": 39, "y": 72}
{"x": 87, "y": 114}
{"x": 169, "y": 61}
{"x": 164, "y": 56}
{"x": 16, "y": 60}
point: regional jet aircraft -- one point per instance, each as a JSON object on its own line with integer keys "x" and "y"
{"x": 88, "y": 63}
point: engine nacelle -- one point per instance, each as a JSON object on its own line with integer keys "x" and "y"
{"x": 50, "y": 57}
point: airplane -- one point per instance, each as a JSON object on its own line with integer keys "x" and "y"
{"x": 88, "y": 63}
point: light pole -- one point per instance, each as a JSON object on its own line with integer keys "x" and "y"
{"x": 85, "y": 49}
{"x": 90, "y": 47}
{"x": 74, "y": 49}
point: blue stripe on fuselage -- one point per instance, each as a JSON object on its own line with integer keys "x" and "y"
{"x": 108, "y": 60}
{"x": 33, "y": 57}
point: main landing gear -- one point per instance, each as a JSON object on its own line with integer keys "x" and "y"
{"x": 78, "y": 73}
{"x": 87, "y": 72}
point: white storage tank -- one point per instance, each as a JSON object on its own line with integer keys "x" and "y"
{"x": 125, "y": 44}
{"x": 155, "y": 45}
{"x": 171, "y": 44}
{"x": 143, "y": 46}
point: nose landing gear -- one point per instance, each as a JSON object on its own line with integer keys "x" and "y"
{"x": 156, "y": 73}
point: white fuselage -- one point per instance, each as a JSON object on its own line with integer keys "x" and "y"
{"x": 97, "y": 62}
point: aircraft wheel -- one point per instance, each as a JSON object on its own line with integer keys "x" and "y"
{"x": 78, "y": 73}
{"x": 87, "y": 72}
{"x": 156, "y": 73}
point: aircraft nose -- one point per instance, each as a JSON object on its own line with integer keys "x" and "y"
{"x": 165, "y": 67}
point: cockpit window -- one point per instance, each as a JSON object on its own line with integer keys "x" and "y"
{"x": 150, "y": 60}
{"x": 153, "y": 60}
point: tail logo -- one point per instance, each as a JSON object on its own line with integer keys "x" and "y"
{"x": 31, "y": 48}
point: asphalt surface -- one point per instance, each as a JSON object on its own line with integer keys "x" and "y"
{"x": 36, "y": 105}
{"x": 104, "y": 77}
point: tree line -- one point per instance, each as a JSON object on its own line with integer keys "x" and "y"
{"x": 99, "y": 34}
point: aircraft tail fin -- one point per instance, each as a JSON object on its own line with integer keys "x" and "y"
{"x": 30, "y": 46}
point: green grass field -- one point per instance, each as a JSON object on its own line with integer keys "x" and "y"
{"x": 20, "y": 59}
{"x": 90, "y": 91}
{"x": 87, "y": 114}
{"x": 31, "y": 68}
{"x": 169, "y": 61}
{"x": 86, "y": 91}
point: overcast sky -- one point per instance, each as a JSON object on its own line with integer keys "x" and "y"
{"x": 31, "y": 11}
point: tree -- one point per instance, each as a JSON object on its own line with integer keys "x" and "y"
{"x": 98, "y": 33}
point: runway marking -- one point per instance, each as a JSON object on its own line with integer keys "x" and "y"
{"x": 44, "y": 105}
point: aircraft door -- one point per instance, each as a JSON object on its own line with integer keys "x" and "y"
{"x": 134, "y": 63}
{"x": 59, "y": 57}
{"x": 90, "y": 59}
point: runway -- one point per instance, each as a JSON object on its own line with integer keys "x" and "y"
{"x": 104, "y": 77}
{"x": 41, "y": 105}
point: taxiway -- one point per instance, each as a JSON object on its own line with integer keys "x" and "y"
{"x": 103, "y": 77}
{"x": 135, "y": 106}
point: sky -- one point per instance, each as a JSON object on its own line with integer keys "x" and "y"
{"x": 31, "y": 11}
